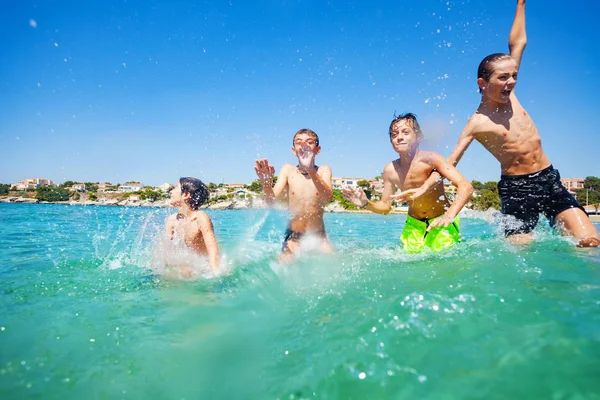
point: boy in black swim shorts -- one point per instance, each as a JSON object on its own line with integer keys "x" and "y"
{"x": 527, "y": 196}
{"x": 308, "y": 188}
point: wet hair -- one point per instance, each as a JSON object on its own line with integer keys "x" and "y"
{"x": 486, "y": 66}
{"x": 197, "y": 190}
{"x": 408, "y": 117}
{"x": 308, "y": 132}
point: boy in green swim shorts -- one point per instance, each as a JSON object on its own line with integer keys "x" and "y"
{"x": 432, "y": 220}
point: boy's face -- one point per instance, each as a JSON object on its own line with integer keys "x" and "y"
{"x": 305, "y": 140}
{"x": 403, "y": 137}
{"x": 501, "y": 83}
{"x": 176, "y": 196}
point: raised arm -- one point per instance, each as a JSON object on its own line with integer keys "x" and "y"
{"x": 463, "y": 186}
{"x": 518, "y": 38}
{"x": 266, "y": 173}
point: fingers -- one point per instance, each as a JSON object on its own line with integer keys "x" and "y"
{"x": 262, "y": 163}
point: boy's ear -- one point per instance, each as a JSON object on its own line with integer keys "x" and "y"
{"x": 317, "y": 150}
{"x": 294, "y": 150}
{"x": 186, "y": 196}
{"x": 481, "y": 83}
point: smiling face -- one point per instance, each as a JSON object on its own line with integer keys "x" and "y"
{"x": 501, "y": 82}
{"x": 403, "y": 137}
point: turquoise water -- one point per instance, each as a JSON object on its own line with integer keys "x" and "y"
{"x": 82, "y": 315}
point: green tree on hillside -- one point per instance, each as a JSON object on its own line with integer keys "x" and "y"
{"x": 477, "y": 185}
{"x": 4, "y": 188}
{"x": 363, "y": 183}
{"x": 491, "y": 186}
{"x": 47, "y": 193}
{"x": 590, "y": 192}
{"x": 68, "y": 184}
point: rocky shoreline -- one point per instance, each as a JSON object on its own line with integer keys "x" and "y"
{"x": 234, "y": 204}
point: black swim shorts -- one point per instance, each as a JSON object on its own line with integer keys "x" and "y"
{"x": 525, "y": 197}
{"x": 290, "y": 235}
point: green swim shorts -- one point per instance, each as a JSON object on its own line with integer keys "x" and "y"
{"x": 415, "y": 236}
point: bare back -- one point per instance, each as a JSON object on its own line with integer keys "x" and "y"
{"x": 431, "y": 204}
{"x": 511, "y": 136}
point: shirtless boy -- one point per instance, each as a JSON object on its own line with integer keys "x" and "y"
{"x": 432, "y": 220}
{"x": 529, "y": 185}
{"x": 308, "y": 189}
{"x": 192, "y": 225}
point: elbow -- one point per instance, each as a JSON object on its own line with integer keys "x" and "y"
{"x": 469, "y": 189}
{"x": 519, "y": 43}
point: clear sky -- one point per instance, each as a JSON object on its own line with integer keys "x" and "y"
{"x": 151, "y": 91}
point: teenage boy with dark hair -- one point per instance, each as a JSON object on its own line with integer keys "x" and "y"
{"x": 191, "y": 224}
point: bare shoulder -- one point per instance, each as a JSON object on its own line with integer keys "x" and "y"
{"x": 390, "y": 169}
{"x": 324, "y": 169}
{"x": 171, "y": 219}
{"x": 201, "y": 218}
{"x": 286, "y": 169}
{"x": 476, "y": 123}
{"x": 430, "y": 157}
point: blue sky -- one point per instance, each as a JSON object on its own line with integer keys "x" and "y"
{"x": 151, "y": 91}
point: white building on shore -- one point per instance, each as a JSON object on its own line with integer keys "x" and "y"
{"x": 130, "y": 187}
{"x": 32, "y": 183}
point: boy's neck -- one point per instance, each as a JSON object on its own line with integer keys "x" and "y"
{"x": 185, "y": 211}
{"x": 407, "y": 158}
{"x": 494, "y": 107}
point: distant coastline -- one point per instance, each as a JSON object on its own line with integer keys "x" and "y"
{"x": 235, "y": 204}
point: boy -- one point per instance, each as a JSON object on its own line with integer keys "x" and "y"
{"x": 192, "y": 225}
{"x": 308, "y": 188}
{"x": 431, "y": 221}
{"x": 529, "y": 184}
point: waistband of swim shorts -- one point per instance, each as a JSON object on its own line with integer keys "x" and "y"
{"x": 541, "y": 172}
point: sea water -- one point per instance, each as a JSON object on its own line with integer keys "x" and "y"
{"x": 83, "y": 316}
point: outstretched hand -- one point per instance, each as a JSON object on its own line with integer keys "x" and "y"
{"x": 355, "y": 196}
{"x": 306, "y": 158}
{"x": 264, "y": 171}
{"x": 408, "y": 195}
{"x": 444, "y": 221}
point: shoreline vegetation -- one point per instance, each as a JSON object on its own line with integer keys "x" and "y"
{"x": 229, "y": 204}
{"x": 242, "y": 196}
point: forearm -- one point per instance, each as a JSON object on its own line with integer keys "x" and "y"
{"x": 518, "y": 35}
{"x": 378, "y": 207}
{"x": 269, "y": 194}
{"x": 463, "y": 195}
{"x": 213, "y": 260}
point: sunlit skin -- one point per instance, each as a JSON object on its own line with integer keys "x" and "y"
{"x": 507, "y": 131}
{"x": 308, "y": 190}
{"x": 408, "y": 173}
{"x": 196, "y": 228}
